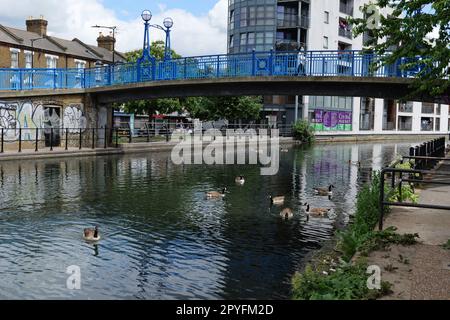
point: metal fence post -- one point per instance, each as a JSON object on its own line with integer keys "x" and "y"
{"x": 80, "y": 139}
{"x": 2, "y": 143}
{"x": 93, "y": 138}
{"x": 36, "y": 149}
{"x": 253, "y": 62}
{"x": 51, "y": 139}
{"x": 67, "y": 139}
{"x": 117, "y": 138}
{"x": 381, "y": 203}
{"x": 20, "y": 139}
{"x": 105, "y": 140}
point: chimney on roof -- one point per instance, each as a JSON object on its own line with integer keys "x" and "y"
{"x": 106, "y": 42}
{"x": 38, "y": 26}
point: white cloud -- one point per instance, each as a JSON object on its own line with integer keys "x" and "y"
{"x": 191, "y": 35}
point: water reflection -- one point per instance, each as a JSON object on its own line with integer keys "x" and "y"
{"x": 161, "y": 239}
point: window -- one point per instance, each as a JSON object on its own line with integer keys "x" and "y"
{"x": 243, "y": 39}
{"x": 28, "y": 60}
{"x": 426, "y": 124}
{"x": 232, "y": 19}
{"x": 251, "y": 38}
{"x": 406, "y": 107}
{"x": 80, "y": 64}
{"x": 51, "y": 61}
{"x": 269, "y": 37}
{"x": 231, "y": 41}
{"x": 438, "y": 124}
{"x": 260, "y": 38}
{"x": 325, "y": 42}
{"x": 15, "y": 59}
{"x": 428, "y": 108}
{"x": 327, "y": 17}
{"x": 405, "y": 123}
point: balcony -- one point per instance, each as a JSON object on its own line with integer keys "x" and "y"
{"x": 347, "y": 33}
{"x": 293, "y": 21}
{"x": 346, "y": 7}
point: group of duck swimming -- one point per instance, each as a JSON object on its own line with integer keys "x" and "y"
{"x": 286, "y": 213}
{"x": 93, "y": 235}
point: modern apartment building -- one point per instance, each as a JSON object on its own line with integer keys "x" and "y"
{"x": 287, "y": 25}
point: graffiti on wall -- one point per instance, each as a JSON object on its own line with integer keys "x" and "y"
{"x": 74, "y": 119}
{"x": 30, "y": 116}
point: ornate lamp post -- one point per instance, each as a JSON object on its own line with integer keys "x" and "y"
{"x": 146, "y": 16}
{"x": 168, "y": 23}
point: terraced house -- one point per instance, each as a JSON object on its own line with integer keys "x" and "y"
{"x": 34, "y": 48}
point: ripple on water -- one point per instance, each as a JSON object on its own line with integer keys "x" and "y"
{"x": 161, "y": 239}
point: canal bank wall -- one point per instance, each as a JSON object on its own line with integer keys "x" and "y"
{"x": 376, "y": 137}
{"x": 121, "y": 150}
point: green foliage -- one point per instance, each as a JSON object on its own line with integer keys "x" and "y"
{"x": 230, "y": 108}
{"x": 447, "y": 245}
{"x": 349, "y": 282}
{"x": 381, "y": 240}
{"x": 304, "y": 132}
{"x": 156, "y": 50}
{"x": 407, "y": 29}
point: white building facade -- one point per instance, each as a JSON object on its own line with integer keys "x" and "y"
{"x": 323, "y": 25}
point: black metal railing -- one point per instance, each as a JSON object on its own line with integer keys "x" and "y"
{"x": 423, "y": 159}
{"x": 38, "y": 139}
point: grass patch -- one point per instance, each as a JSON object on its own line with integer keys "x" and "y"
{"x": 349, "y": 282}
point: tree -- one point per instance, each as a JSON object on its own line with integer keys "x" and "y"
{"x": 230, "y": 108}
{"x": 415, "y": 28}
{"x": 152, "y": 106}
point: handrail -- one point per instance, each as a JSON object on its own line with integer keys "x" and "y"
{"x": 355, "y": 63}
{"x": 427, "y": 154}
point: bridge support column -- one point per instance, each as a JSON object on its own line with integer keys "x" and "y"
{"x": 305, "y": 113}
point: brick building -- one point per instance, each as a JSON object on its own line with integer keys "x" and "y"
{"x": 34, "y": 48}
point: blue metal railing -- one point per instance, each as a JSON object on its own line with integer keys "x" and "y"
{"x": 252, "y": 64}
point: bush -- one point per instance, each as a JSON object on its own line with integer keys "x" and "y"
{"x": 348, "y": 283}
{"x": 303, "y": 131}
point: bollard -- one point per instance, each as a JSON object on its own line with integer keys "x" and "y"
{"x": 67, "y": 139}
{"x": 20, "y": 139}
{"x": 36, "y": 149}
{"x": 80, "y": 138}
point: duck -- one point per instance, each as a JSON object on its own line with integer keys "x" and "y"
{"x": 354, "y": 163}
{"x": 240, "y": 180}
{"x": 216, "y": 194}
{"x": 287, "y": 214}
{"x": 318, "y": 212}
{"x": 91, "y": 234}
{"x": 277, "y": 200}
{"x": 324, "y": 191}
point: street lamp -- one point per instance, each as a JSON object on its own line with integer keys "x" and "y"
{"x": 168, "y": 23}
{"x": 32, "y": 49}
{"x": 113, "y": 28}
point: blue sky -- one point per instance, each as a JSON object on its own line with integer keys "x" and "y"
{"x": 128, "y": 9}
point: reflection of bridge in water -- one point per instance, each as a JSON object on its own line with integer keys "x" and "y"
{"x": 342, "y": 73}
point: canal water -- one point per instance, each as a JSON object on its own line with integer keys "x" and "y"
{"x": 160, "y": 238}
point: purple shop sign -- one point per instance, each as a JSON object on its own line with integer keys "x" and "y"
{"x": 318, "y": 116}
{"x": 330, "y": 119}
{"x": 345, "y": 118}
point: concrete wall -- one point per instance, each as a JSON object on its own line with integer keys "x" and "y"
{"x": 69, "y": 114}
